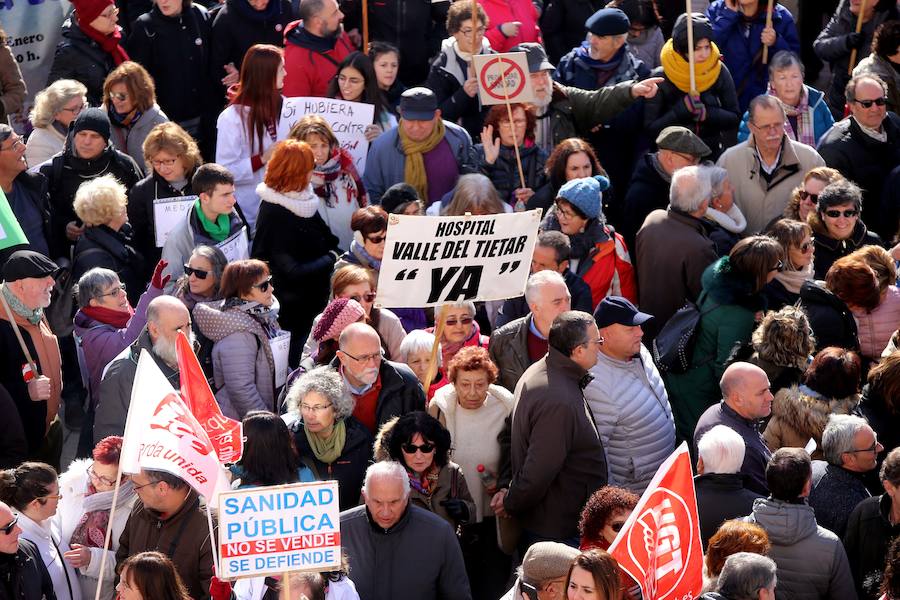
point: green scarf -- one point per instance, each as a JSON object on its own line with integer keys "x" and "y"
{"x": 218, "y": 230}
{"x": 328, "y": 449}
{"x": 15, "y": 305}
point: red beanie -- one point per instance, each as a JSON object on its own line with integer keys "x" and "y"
{"x": 88, "y": 10}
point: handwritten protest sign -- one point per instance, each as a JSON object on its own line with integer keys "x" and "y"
{"x": 168, "y": 213}
{"x": 280, "y": 345}
{"x": 236, "y": 246}
{"x": 348, "y": 120}
{"x": 274, "y": 529}
{"x": 432, "y": 260}
{"x": 503, "y": 76}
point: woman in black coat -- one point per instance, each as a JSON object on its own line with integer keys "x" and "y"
{"x": 837, "y": 225}
{"x": 294, "y": 239}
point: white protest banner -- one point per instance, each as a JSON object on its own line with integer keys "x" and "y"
{"x": 432, "y": 260}
{"x": 162, "y": 434}
{"x": 275, "y": 529}
{"x": 348, "y": 121}
{"x": 236, "y": 246}
{"x": 168, "y": 213}
{"x": 503, "y": 76}
{"x": 280, "y": 346}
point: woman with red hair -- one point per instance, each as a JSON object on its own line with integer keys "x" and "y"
{"x": 294, "y": 239}
{"x": 86, "y": 491}
{"x": 248, "y": 126}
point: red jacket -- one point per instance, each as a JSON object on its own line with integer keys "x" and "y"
{"x": 309, "y": 70}
{"x": 505, "y": 11}
{"x": 611, "y": 272}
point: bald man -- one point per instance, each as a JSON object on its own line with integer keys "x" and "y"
{"x": 166, "y": 316}
{"x": 383, "y": 389}
{"x": 746, "y": 400}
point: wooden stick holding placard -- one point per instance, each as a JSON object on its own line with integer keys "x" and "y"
{"x": 475, "y": 24}
{"x": 859, "y": 24}
{"x": 109, "y": 527}
{"x": 212, "y": 539}
{"x": 765, "y": 54}
{"x": 512, "y": 125}
{"x": 15, "y": 327}
{"x": 690, "y": 34}
{"x": 433, "y": 357}
{"x": 286, "y": 585}
{"x": 365, "y": 25}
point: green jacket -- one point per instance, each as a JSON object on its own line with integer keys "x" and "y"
{"x": 574, "y": 112}
{"x": 730, "y": 305}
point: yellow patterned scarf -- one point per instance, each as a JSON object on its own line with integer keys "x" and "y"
{"x": 677, "y": 68}
{"x": 414, "y": 171}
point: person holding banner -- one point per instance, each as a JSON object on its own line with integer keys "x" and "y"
{"x": 242, "y": 327}
{"x": 87, "y": 489}
{"x": 356, "y": 82}
{"x": 369, "y": 227}
{"x": 460, "y": 330}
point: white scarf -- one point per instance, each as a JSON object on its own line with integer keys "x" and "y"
{"x": 304, "y": 203}
{"x": 734, "y": 220}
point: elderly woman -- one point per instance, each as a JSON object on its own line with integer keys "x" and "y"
{"x": 732, "y": 537}
{"x": 795, "y": 238}
{"x": 421, "y": 444}
{"x": 415, "y": 352}
{"x": 369, "y": 227}
{"x": 241, "y": 328}
{"x": 32, "y": 490}
{"x": 330, "y": 440}
{"x": 460, "y": 329}
{"x": 294, "y": 240}
{"x": 724, "y": 218}
{"x": 335, "y": 179}
{"x": 713, "y": 112}
{"x": 837, "y": 226}
{"x": 599, "y": 255}
{"x": 83, "y": 515}
{"x": 55, "y": 107}
{"x": 804, "y": 198}
{"x": 829, "y": 386}
{"x": 107, "y": 241}
{"x": 172, "y": 157}
{"x": 497, "y": 156}
{"x": 129, "y": 97}
{"x": 807, "y": 114}
{"x": 884, "y": 61}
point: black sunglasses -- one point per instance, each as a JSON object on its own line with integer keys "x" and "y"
{"x": 376, "y": 239}
{"x": 200, "y": 273}
{"x": 7, "y": 529}
{"x": 617, "y": 527}
{"x": 462, "y": 320}
{"x": 834, "y": 214}
{"x": 426, "y": 448}
{"x": 868, "y": 103}
{"x": 368, "y": 297}
{"x": 264, "y": 286}
{"x": 804, "y": 195}
{"x": 779, "y": 267}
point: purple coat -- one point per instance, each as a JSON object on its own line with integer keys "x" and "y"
{"x": 100, "y": 342}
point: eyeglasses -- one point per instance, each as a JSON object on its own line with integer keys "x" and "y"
{"x": 168, "y": 162}
{"x": 779, "y": 267}
{"x": 120, "y": 96}
{"x": 101, "y": 478}
{"x": 7, "y": 529}
{"x": 200, "y": 273}
{"x": 468, "y": 32}
{"x": 460, "y": 321}
{"x": 264, "y": 286}
{"x": 108, "y": 14}
{"x": 52, "y": 497}
{"x": 426, "y": 448}
{"x": 565, "y": 212}
{"x": 868, "y": 103}
{"x": 376, "y": 239}
{"x": 138, "y": 487}
{"x": 834, "y": 214}
{"x": 804, "y": 195}
{"x": 17, "y": 143}
{"x": 517, "y": 122}
{"x": 368, "y": 297}
{"x": 75, "y": 111}
{"x": 807, "y": 246}
{"x": 313, "y": 409}
{"x": 599, "y": 341}
{"x": 770, "y": 127}
{"x": 617, "y": 526}
{"x": 872, "y": 448}
{"x": 365, "y": 358}
{"x": 115, "y": 292}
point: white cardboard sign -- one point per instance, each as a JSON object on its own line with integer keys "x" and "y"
{"x": 168, "y": 213}
{"x": 503, "y": 77}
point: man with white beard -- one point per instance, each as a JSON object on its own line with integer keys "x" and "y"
{"x": 565, "y": 112}
{"x": 383, "y": 389}
{"x": 166, "y": 316}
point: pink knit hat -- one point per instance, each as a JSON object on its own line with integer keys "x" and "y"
{"x": 338, "y": 314}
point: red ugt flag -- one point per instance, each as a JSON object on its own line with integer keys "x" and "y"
{"x": 225, "y": 434}
{"x": 659, "y": 546}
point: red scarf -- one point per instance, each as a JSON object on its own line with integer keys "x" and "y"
{"x": 108, "y": 42}
{"x": 109, "y": 316}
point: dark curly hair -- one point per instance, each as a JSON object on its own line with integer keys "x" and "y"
{"x": 472, "y": 358}
{"x": 598, "y": 509}
{"x": 430, "y": 428}
{"x": 27, "y": 482}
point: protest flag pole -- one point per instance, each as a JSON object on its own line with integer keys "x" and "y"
{"x": 433, "y": 361}
{"x": 286, "y": 585}
{"x": 365, "y": 25}
{"x": 511, "y": 124}
{"x": 212, "y": 540}
{"x": 859, "y": 24}
{"x": 15, "y": 328}
{"x": 109, "y": 528}
{"x": 690, "y": 49}
{"x": 765, "y": 54}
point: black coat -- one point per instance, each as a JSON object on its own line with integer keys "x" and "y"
{"x": 34, "y": 186}
{"x": 80, "y": 58}
{"x": 720, "y": 497}
{"x": 26, "y": 575}
{"x": 831, "y": 321}
{"x": 455, "y": 104}
{"x": 828, "y": 249}
{"x": 175, "y": 51}
{"x": 778, "y": 295}
{"x": 869, "y": 535}
{"x": 13, "y": 446}
{"x": 835, "y": 493}
{"x": 562, "y": 24}
{"x": 350, "y": 467}
{"x": 101, "y": 246}
{"x": 140, "y": 214}
{"x": 504, "y": 173}
{"x": 647, "y": 191}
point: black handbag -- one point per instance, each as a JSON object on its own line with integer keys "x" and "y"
{"x": 674, "y": 345}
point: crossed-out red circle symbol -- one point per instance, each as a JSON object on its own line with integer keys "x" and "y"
{"x": 495, "y": 88}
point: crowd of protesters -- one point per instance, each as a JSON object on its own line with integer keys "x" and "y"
{"x": 717, "y": 264}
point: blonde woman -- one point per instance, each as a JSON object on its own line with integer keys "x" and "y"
{"x": 55, "y": 107}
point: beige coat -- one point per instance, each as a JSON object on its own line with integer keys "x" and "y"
{"x": 758, "y": 200}
{"x": 798, "y": 417}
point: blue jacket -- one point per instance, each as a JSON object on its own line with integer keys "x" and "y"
{"x": 822, "y": 118}
{"x": 386, "y": 161}
{"x": 743, "y": 53}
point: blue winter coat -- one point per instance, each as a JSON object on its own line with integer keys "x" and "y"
{"x": 822, "y": 117}
{"x": 743, "y": 53}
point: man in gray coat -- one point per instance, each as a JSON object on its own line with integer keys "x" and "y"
{"x": 811, "y": 560}
{"x": 397, "y": 550}
{"x": 628, "y": 398}
{"x": 558, "y": 459}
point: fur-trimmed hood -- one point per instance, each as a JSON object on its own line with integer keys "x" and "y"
{"x": 804, "y": 411}
{"x": 725, "y": 286}
{"x": 380, "y": 447}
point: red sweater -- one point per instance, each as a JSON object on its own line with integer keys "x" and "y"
{"x": 310, "y": 69}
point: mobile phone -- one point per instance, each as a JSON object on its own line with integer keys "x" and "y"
{"x": 528, "y": 590}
